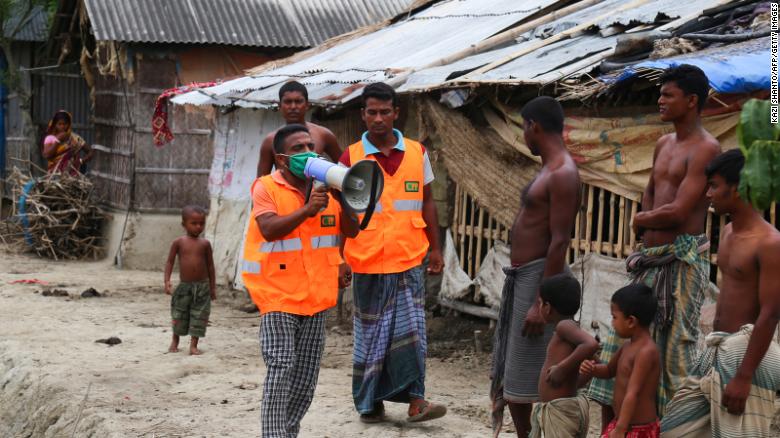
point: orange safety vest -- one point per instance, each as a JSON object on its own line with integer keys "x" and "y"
{"x": 298, "y": 273}
{"x": 394, "y": 240}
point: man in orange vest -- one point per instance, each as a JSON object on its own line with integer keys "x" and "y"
{"x": 291, "y": 269}
{"x": 389, "y": 294}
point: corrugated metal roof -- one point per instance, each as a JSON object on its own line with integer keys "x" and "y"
{"x": 261, "y": 23}
{"x": 442, "y": 29}
{"x": 334, "y": 76}
{"x": 35, "y": 29}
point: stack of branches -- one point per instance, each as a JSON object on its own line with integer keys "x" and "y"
{"x": 55, "y": 216}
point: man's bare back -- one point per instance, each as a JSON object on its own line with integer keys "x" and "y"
{"x": 740, "y": 258}
{"x": 194, "y": 254}
{"x": 674, "y": 203}
{"x": 531, "y": 232}
{"x": 324, "y": 143}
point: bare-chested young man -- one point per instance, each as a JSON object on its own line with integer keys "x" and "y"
{"x": 540, "y": 238}
{"x": 293, "y": 104}
{"x": 731, "y": 389}
{"x": 672, "y": 258}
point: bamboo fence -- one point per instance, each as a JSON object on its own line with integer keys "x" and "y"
{"x": 602, "y": 226}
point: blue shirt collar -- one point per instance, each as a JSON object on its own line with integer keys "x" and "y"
{"x": 370, "y": 149}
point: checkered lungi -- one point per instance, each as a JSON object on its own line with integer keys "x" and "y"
{"x": 292, "y": 347}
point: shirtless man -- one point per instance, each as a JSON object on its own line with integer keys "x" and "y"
{"x": 671, "y": 224}
{"x": 745, "y": 373}
{"x": 540, "y": 238}
{"x": 293, "y": 104}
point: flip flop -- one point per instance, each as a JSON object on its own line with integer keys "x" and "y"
{"x": 429, "y": 411}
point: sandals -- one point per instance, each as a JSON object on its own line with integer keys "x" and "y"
{"x": 375, "y": 416}
{"x": 429, "y": 411}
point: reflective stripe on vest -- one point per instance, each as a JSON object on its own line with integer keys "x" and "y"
{"x": 394, "y": 241}
{"x": 407, "y": 205}
{"x": 377, "y": 208}
{"x": 330, "y": 241}
{"x": 281, "y": 245}
{"x": 291, "y": 275}
{"x": 250, "y": 267}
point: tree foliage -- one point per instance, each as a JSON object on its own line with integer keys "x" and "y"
{"x": 759, "y": 140}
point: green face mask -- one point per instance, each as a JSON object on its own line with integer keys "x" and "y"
{"x": 298, "y": 162}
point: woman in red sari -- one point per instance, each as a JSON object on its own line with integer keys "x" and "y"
{"x": 64, "y": 150}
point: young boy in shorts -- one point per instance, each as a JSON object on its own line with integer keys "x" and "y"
{"x": 561, "y": 412}
{"x": 191, "y": 301}
{"x": 636, "y": 366}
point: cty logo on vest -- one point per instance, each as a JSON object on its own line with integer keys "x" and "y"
{"x": 328, "y": 221}
{"x": 412, "y": 186}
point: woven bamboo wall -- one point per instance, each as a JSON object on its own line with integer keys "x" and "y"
{"x": 163, "y": 179}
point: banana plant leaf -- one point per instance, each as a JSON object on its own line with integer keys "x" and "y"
{"x": 758, "y": 139}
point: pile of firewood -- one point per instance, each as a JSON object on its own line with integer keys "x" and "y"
{"x": 55, "y": 216}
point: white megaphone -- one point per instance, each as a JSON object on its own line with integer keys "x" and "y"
{"x": 360, "y": 185}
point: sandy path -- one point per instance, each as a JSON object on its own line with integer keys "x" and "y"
{"x": 49, "y": 359}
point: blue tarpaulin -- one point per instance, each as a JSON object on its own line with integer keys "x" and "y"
{"x": 736, "y": 68}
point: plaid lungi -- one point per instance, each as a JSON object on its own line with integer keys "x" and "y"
{"x": 680, "y": 283}
{"x": 292, "y": 347}
{"x": 390, "y": 341}
{"x": 697, "y": 410}
{"x": 517, "y": 360}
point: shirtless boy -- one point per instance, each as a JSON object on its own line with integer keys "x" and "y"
{"x": 561, "y": 413}
{"x": 293, "y": 104}
{"x": 191, "y": 301}
{"x": 636, "y": 366}
{"x": 731, "y": 390}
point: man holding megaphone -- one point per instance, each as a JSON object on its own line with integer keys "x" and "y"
{"x": 291, "y": 268}
{"x": 387, "y": 256}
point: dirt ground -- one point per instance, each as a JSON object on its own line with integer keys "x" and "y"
{"x": 55, "y": 380}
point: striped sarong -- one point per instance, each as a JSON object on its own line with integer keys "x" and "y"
{"x": 696, "y": 410}
{"x": 680, "y": 270}
{"x": 517, "y": 360}
{"x": 561, "y": 418}
{"x": 390, "y": 341}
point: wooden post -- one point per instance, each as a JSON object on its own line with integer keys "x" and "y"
{"x": 589, "y": 220}
{"x": 481, "y": 230}
{"x": 456, "y": 215}
{"x": 632, "y": 241}
{"x": 472, "y": 237}
{"x": 612, "y": 208}
{"x": 600, "y": 223}
{"x": 621, "y": 231}
{"x": 490, "y": 231}
{"x": 463, "y": 204}
{"x": 773, "y": 214}
{"x": 576, "y": 242}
